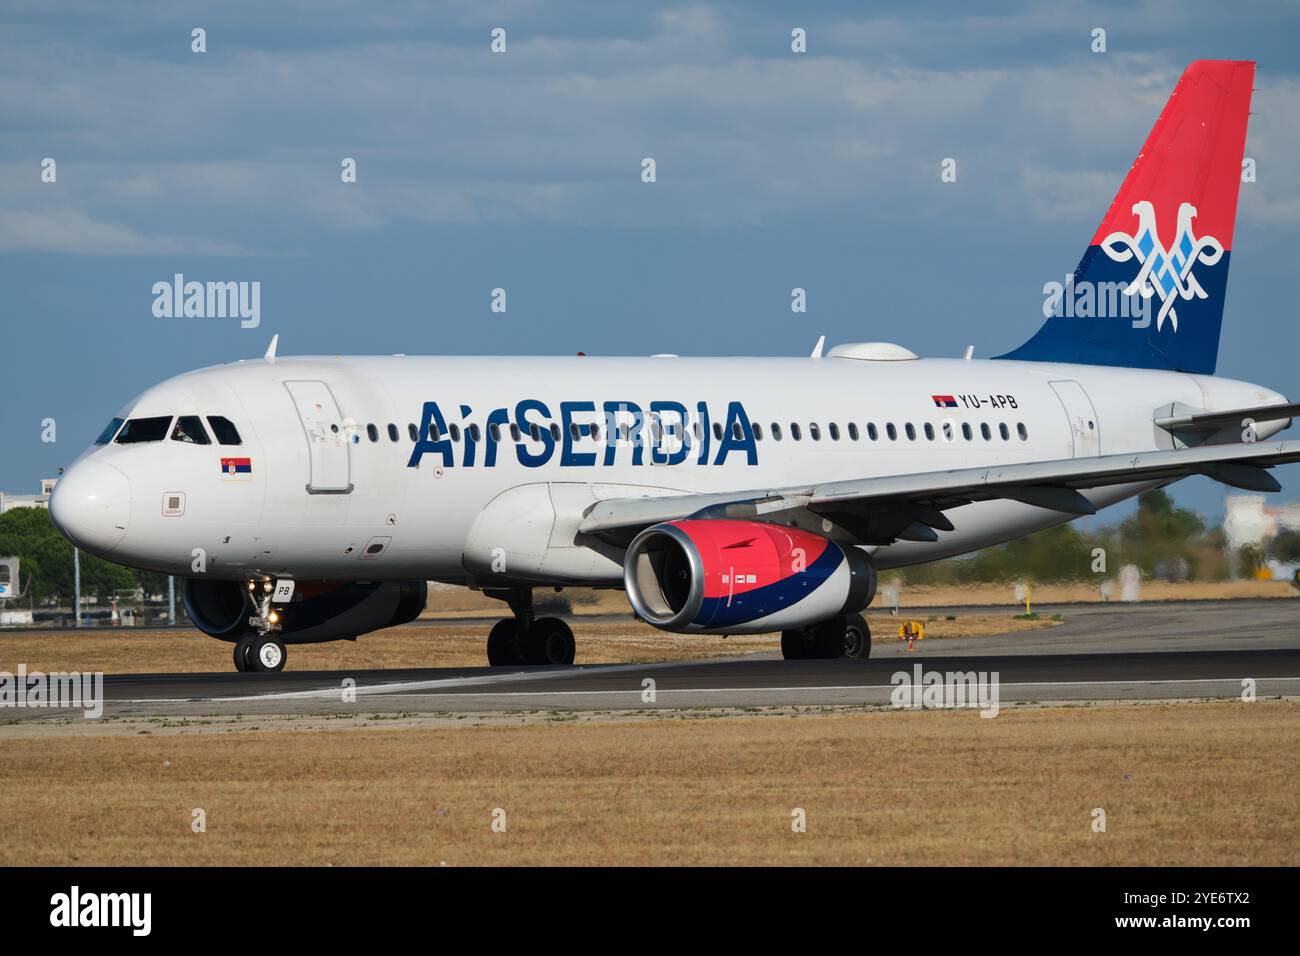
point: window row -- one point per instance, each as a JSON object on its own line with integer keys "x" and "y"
{"x": 577, "y": 431}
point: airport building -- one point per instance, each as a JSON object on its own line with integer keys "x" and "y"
{"x": 10, "y": 501}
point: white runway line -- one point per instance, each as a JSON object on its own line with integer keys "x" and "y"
{"x": 409, "y": 689}
{"x": 327, "y": 693}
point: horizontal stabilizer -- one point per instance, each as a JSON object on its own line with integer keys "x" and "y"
{"x": 1209, "y": 421}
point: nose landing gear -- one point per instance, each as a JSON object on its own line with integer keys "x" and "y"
{"x": 524, "y": 639}
{"x": 261, "y": 650}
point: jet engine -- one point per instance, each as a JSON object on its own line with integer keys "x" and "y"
{"x": 319, "y": 611}
{"x": 742, "y": 577}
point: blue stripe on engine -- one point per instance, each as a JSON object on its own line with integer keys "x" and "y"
{"x": 760, "y": 602}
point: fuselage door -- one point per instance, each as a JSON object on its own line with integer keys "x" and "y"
{"x": 1084, "y": 427}
{"x": 327, "y": 440}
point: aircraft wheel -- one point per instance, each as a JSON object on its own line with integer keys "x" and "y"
{"x": 266, "y": 654}
{"x": 241, "y": 653}
{"x": 549, "y": 641}
{"x": 796, "y": 645}
{"x": 857, "y": 637}
{"x": 503, "y": 643}
{"x": 828, "y": 638}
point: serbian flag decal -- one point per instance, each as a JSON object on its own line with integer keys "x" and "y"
{"x": 944, "y": 401}
{"x": 237, "y": 468}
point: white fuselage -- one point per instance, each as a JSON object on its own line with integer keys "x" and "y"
{"x": 344, "y": 506}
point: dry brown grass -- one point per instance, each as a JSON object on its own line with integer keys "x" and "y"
{"x": 124, "y": 651}
{"x": 1192, "y": 784}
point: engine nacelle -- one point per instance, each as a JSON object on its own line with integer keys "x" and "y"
{"x": 742, "y": 577}
{"x": 319, "y": 611}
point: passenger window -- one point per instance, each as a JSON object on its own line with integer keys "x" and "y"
{"x": 947, "y": 431}
{"x": 494, "y": 431}
{"x": 814, "y": 432}
{"x": 594, "y": 429}
{"x": 574, "y": 431}
{"x": 758, "y": 431}
{"x": 699, "y": 432}
{"x": 776, "y": 432}
{"x": 736, "y": 431}
{"x": 555, "y": 431}
{"x": 434, "y": 433}
{"x": 107, "y": 434}
{"x": 717, "y": 430}
{"x": 1002, "y": 430}
{"x": 225, "y": 431}
{"x": 514, "y": 432}
{"x": 372, "y": 432}
{"x": 139, "y": 430}
{"x": 909, "y": 431}
{"x": 985, "y": 431}
{"x": 392, "y": 432}
{"x": 853, "y": 431}
{"x": 1022, "y": 431}
{"x": 835, "y": 432}
{"x": 189, "y": 429}
{"x": 929, "y": 432}
{"x": 891, "y": 431}
{"x": 413, "y": 431}
{"x": 871, "y": 431}
{"x": 535, "y": 431}
{"x": 965, "y": 431}
{"x": 455, "y": 432}
{"x": 474, "y": 433}
{"x": 794, "y": 431}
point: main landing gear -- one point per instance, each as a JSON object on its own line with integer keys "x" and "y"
{"x": 524, "y": 639}
{"x": 843, "y": 636}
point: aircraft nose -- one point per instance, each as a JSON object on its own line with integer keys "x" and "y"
{"x": 91, "y": 504}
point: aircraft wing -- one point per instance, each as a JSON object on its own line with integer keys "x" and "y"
{"x": 910, "y": 507}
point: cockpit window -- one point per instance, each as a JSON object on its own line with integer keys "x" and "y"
{"x": 225, "y": 431}
{"x": 107, "y": 434}
{"x": 144, "y": 429}
{"x": 190, "y": 429}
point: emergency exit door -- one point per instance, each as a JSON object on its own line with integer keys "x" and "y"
{"x": 1084, "y": 427}
{"x": 327, "y": 441}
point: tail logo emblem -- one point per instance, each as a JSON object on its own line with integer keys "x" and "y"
{"x": 1165, "y": 273}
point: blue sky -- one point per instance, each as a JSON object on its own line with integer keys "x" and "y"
{"x": 522, "y": 170}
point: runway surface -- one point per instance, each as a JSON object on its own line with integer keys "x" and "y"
{"x": 1102, "y": 653}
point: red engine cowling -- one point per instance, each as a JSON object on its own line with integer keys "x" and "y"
{"x": 742, "y": 577}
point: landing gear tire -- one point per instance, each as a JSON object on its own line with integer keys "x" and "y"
{"x": 828, "y": 639}
{"x": 263, "y": 653}
{"x": 504, "y": 646}
{"x": 241, "y": 653}
{"x": 857, "y": 637}
{"x": 797, "y": 645}
{"x": 549, "y": 641}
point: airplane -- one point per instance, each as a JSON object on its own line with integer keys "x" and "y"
{"x": 311, "y": 499}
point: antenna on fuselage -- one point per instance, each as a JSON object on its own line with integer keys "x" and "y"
{"x": 817, "y": 349}
{"x": 270, "y": 349}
